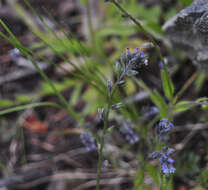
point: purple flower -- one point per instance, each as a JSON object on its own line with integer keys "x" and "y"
{"x": 88, "y": 141}
{"x": 127, "y": 129}
{"x": 131, "y": 61}
{"x": 167, "y": 168}
{"x": 148, "y": 111}
{"x": 14, "y": 53}
{"x": 163, "y": 128}
{"x": 161, "y": 64}
{"x": 165, "y": 159}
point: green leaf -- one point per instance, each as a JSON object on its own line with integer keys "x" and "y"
{"x": 116, "y": 30}
{"x": 139, "y": 178}
{"x": 186, "y": 2}
{"x": 94, "y": 100}
{"x": 204, "y": 107}
{"x": 183, "y": 106}
{"x": 75, "y": 94}
{"x": 198, "y": 188}
{"x": 161, "y": 104}
{"x": 4, "y": 168}
{"x": 21, "y": 99}
{"x": 201, "y": 100}
{"x": 168, "y": 86}
{"x": 152, "y": 171}
{"x": 172, "y": 12}
{"x": 5, "y": 103}
{"x": 130, "y": 87}
{"x": 110, "y": 129}
{"x": 200, "y": 80}
{"x": 23, "y": 107}
{"x": 157, "y": 99}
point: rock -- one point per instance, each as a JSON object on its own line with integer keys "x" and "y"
{"x": 188, "y": 30}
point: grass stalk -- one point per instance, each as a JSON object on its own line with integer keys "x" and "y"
{"x": 89, "y": 22}
{"x": 17, "y": 44}
{"x": 84, "y": 71}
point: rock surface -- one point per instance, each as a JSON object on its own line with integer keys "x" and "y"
{"x": 188, "y": 30}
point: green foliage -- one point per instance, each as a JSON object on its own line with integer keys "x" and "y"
{"x": 149, "y": 17}
{"x": 190, "y": 165}
{"x": 60, "y": 86}
{"x": 167, "y": 84}
{"x": 157, "y": 99}
{"x": 87, "y": 81}
{"x": 200, "y": 81}
{"x": 182, "y": 106}
{"x": 185, "y": 2}
{"x": 28, "y": 106}
{"x": 4, "y": 168}
{"x": 5, "y": 103}
{"x": 6, "y": 132}
{"x": 153, "y": 172}
{"x": 202, "y": 179}
{"x": 139, "y": 179}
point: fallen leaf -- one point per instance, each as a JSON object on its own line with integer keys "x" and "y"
{"x": 34, "y": 124}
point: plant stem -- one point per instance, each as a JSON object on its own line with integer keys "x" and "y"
{"x": 185, "y": 86}
{"x": 89, "y": 20}
{"x": 139, "y": 25}
{"x": 106, "y": 121}
{"x": 100, "y": 155}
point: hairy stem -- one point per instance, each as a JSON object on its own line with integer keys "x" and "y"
{"x": 100, "y": 155}
{"x": 106, "y": 121}
{"x": 140, "y": 27}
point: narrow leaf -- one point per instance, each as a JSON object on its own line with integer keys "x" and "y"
{"x": 168, "y": 86}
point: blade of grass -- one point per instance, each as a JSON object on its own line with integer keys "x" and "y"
{"x": 58, "y": 94}
{"x": 80, "y": 49}
{"x": 4, "y": 167}
{"x": 156, "y": 98}
{"x": 168, "y": 86}
{"x": 84, "y": 72}
{"x": 76, "y": 75}
{"x": 185, "y": 86}
{"x": 28, "y": 106}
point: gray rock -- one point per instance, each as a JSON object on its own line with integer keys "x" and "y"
{"x": 188, "y": 30}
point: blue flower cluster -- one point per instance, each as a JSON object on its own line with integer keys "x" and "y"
{"x": 149, "y": 111}
{"x": 14, "y": 53}
{"x": 162, "y": 130}
{"x": 131, "y": 61}
{"x": 88, "y": 141}
{"x": 127, "y": 129}
{"x": 165, "y": 159}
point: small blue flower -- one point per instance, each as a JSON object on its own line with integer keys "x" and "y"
{"x": 14, "y": 53}
{"x": 162, "y": 130}
{"x": 165, "y": 159}
{"x": 167, "y": 168}
{"x": 127, "y": 130}
{"x": 161, "y": 64}
{"x": 148, "y": 111}
{"x": 132, "y": 61}
{"x": 163, "y": 127}
{"x": 88, "y": 141}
